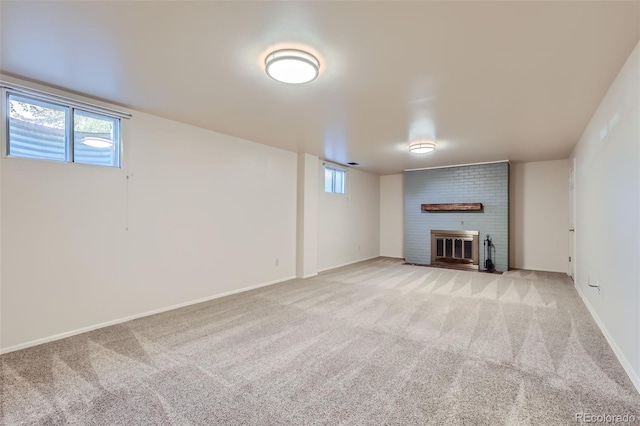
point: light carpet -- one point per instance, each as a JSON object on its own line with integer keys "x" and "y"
{"x": 376, "y": 343}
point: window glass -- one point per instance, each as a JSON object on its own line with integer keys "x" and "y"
{"x": 41, "y": 127}
{"x": 328, "y": 180}
{"x": 339, "y": 182}
{"x": 334, "y": 180}
{"x": 95, "y": 139}
{"x": 37, "y": 129}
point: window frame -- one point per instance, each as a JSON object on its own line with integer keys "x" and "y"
{"x": 117, "y": 136}
{"x": 71, "y": 106}
{"x": 334, "y": 170}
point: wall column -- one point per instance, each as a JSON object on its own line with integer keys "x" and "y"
{"x": 307, "y": 216}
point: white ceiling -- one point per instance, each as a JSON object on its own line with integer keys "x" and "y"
{"x": 487, "y": 80}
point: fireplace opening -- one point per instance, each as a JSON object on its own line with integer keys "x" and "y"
{"x": 459, "y": 248}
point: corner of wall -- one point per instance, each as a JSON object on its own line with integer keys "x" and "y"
{"x": 348, "y": 224}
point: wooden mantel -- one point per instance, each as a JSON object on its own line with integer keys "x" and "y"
{"x": 453, "y": 207}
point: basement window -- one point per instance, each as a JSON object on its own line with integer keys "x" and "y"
{"x": 334, "y": 180}
{"x": 46, "y": 127}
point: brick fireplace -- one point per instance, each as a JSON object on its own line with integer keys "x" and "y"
{"x": 473, "y": 197}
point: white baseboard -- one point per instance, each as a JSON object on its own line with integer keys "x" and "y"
{"x": 135, "y": 316}
{"x": 309, "y": 276}
{"x": 523, "y": 268}
{"x": 633, "y": 375}
{"x": 348, "y": 263}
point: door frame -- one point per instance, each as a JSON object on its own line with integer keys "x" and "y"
{"x": 572, "y": 220}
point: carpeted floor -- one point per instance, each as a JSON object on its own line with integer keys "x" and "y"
{"x": 374, "y": 343}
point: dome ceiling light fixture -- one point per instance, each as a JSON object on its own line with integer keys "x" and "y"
{"x": 422, "y": 147}
{"x": 292, "y": 66}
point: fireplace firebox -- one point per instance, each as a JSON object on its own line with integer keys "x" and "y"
{"x": 455, "y": 248}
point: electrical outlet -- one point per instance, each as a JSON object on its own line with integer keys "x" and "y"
{"x": 277, "y": 262}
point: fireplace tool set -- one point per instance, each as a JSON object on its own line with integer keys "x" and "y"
{"x": 488, "y": 262}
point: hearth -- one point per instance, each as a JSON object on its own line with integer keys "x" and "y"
{"x": 459, "y": 248}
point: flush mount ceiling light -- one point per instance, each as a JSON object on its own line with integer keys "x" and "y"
{"x": 422, "y": 147}
{"x": 94, "y": 142}
{"x": 292, "y": 66}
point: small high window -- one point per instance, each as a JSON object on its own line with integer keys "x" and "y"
{"x": 48, "y": 128}
{"x": 334, "y": 180}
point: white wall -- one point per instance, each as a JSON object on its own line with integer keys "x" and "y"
{"x": 201, "y": 214}
{"x": 539, "y": 219}
{"x": 608, "y": 214}
{"x": 392, "y": 216}
{"x": 348, "y": 224}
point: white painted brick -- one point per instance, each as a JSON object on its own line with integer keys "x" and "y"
{"x": 486, "y": 183}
